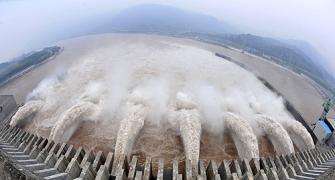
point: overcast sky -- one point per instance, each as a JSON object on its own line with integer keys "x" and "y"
{"x": 28, "y": 24}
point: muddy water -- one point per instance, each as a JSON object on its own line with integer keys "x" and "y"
{"x": 157, "y": 143}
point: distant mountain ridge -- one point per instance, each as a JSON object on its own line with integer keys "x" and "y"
{"x": 307, "y": 49}
{"x": 12, "y": 69}
{"x": 280, "y": 52}
{"x": 165, "y": 19}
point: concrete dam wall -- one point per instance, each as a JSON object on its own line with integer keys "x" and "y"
{"x": 24, "y": 155}
{"x": 28, "y": 156}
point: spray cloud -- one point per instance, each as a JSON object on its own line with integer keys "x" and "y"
{"x": 112, "y": 85}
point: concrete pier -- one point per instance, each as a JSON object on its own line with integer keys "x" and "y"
{"x": 212, "y": 170}
{"x": 147, "y": 173}
{"x": 103, "y": 173}
{"x": 175, "y": 173}
{"x": 235, "y": 168}
{"x": 224, "y": 170}
{"x": 160, "y": 173}
{"x": 132, "y": 168}
{"x": 98, "y": 161}
{"x": 109, "y": 162}
{"x": 73, "y": 169}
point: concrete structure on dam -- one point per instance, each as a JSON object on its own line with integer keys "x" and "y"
{"x": 24, "y": 155}
{"x": 7, "y": 107}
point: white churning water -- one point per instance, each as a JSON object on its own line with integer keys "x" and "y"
{"x": 133, "y": 80}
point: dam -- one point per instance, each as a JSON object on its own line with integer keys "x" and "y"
{"x": 29, "y": 156}
{"x": 171, "y": 109}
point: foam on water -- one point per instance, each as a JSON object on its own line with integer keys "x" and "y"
{"x": 104, "y": 80}
{"x": 244, "y": 138}
{"x": 25, "y": 111}
{"x": 276, "y": 133}
{"x": 71, "y": 120}
{"x": 130, "y": 126}
{"x": 299, "y": 134}
{"x": 188, "y": 117}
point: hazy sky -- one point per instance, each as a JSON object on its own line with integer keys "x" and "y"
{"x": 28, "y": 24}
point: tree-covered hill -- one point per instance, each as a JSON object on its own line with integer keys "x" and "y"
{"x": 14, "y": 67}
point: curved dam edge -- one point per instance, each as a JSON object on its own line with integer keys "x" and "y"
{"x": 25, "y": 155}
{"x": 29, "y": 156}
